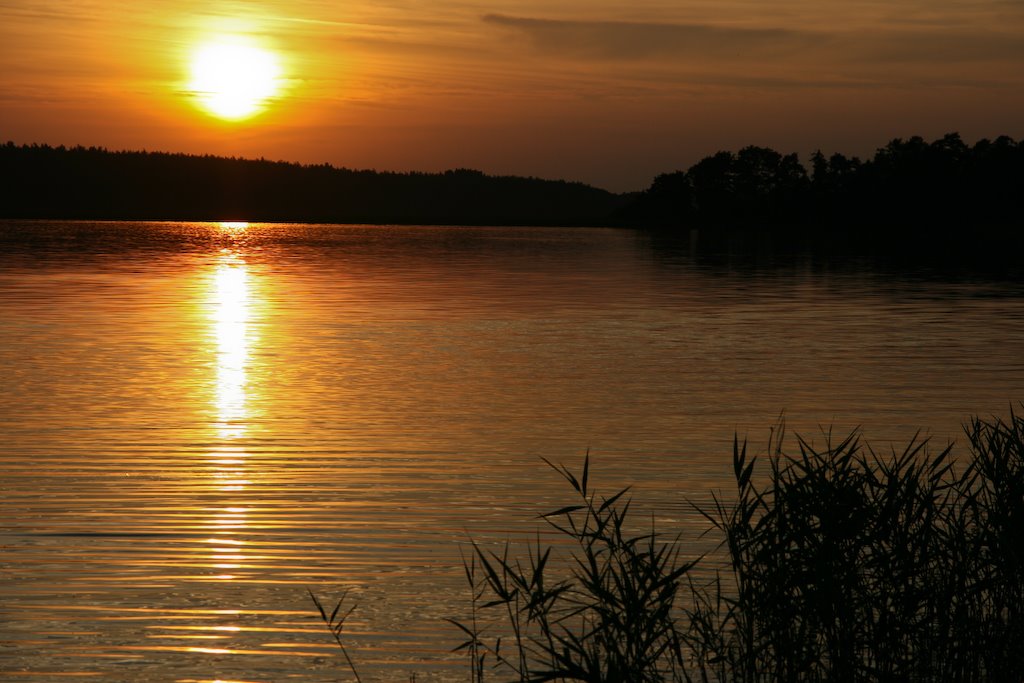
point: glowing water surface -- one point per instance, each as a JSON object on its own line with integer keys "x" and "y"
{"x": 199, "y": 421}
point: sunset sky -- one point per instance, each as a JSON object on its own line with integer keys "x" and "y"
{"x": 607, "y": 93}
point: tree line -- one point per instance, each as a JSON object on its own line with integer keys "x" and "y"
{"x": 910, "y": 190}
{"x": 93, "y": 183}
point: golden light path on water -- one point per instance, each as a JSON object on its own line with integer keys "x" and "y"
{"x": 230, "y": 314}
{"x": 231, "y": 333}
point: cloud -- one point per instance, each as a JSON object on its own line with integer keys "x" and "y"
{"x": 938, "y": 46}
{"x": 629, "y": 40}
{"x": 621, "y": 41}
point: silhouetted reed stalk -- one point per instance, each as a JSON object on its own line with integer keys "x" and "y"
{"x": 842, "y": 565}
{"x": 336, "y": 624}
{"x": 474, "y": 647}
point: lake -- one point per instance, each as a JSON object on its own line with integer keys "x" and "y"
{"x": 201, "y": 421}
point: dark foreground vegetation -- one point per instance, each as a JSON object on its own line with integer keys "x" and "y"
{"x": 836, "y": 564}
{"x": 911, "y": 193}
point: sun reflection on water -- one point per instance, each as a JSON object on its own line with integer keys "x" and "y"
{"x": 230, "y": 317}
{"x": 232, "y": 333}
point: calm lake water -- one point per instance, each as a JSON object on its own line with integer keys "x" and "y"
{"x": 201, "y": 421}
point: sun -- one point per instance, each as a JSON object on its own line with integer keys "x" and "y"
{"x": 233, "y": 80}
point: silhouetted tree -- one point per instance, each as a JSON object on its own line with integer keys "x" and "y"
{"x": 911, "y": 194}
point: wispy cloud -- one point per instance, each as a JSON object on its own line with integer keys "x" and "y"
{"x": 629, "y": 40}
{"x": 613, "y": 40}
{"x": 938, "y": 46}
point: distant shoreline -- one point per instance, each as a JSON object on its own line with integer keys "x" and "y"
{"x": 911, "y": 194}
{"x": 96, "y": 184}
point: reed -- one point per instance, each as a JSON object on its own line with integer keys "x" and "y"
{"x": 335, "y": 623}
{"x": 613, "y": 617}
{"x": 840, "y": 564}
{"x": 848, "y": 565}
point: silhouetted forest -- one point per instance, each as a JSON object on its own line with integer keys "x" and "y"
{"x": 57, "y": 182}
{"x": 911, "y": 192}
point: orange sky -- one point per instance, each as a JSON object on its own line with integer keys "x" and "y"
{"x": 607, "y": 93}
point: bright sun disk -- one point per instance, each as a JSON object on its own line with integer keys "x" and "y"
{"x": 233, "y": 80}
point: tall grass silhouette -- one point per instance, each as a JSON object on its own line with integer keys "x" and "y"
{"x": 613, "y": 617}
{"x": 836, "y": 563}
